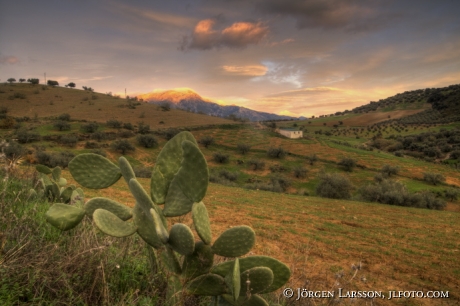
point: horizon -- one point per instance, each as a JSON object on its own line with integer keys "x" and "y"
{"x": 294, "y": 58}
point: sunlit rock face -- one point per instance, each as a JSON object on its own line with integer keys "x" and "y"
{"x": 189, "y": 100}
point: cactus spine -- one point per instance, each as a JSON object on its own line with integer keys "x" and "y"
{"x": 179, "y": 181}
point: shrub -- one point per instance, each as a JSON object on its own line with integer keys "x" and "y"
{"x": 434, "y": 178}
{"x": 13, "y": 150}
{"x": 90, "y": 127}
{"x": 122, "y": 146}
{"x": 256, "y": 164}
{"x": 143, "y": 128}
{"x": 221, "y": 158}
{"x": 300, "y": 172}
{"x": 64, "y": 117}
{"x": 312, "y": 159}
{"x": 62, "y": 125}
{"x": 280, "y": 182}
{"x": 116, "y": 124}
{"x": 91, "y": 145}
{"x": 206, "y": 141}
{"x": 25, "y": 136}
{"x": 389, "y": 170}
{"x": 224, "y": 177}
{"x": 398, "y": 153}
{"x": 128, "y": 126}
{"x": 143, "y": 172}
{"x": 231, "y": 176}
{"x": 69, "y": 140}
{"x": 278, "y": 168}
{"x": 243, "y": 148}
{"x": 347, "y": 164}
{"x": 430, "y": 201}
{"x": 303, "y": 192}
{"x": 99, "y": 152}
{"x": 452, "y": 194}
{"x": 276, "y": 152}
{"x": 334, "y": 186}
{"x": 147, "y": 141}
{"x": 60, "y": 159}
{"x": 126, "y": 134}
{"x": 99, "y": 136}
{"x": 170, "y": 133}
{"x": 455, "y": 154}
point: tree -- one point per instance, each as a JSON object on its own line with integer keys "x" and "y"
{"x": 62, "y": 125}
{"x": 243, "y": 148}
{"x": 52, "y": 83}
{"x": 347, "y": 164}
{"x": 71, "y": 85}
{"x": 143, "y": 128}
{"x": 22, "y": 80}
{"x": 33, "y": 81}
{"x": 276, "y": 152}
{"x": 334, "y": 186}
{"x": 122, "y": 146}
{"x": 11, "y": 80}
{"x": 147, "y": 141}
{"x": 206, "y": 141}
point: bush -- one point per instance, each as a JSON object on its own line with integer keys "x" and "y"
{"x": 452, "y": 194}
{"x": 389, "y": 170}
{"x": 128, "y": 126}
{"x": 99, "y": 136}
{"x": 143, "y": 172}
{"x": 25, "y": 136}
{"x": 334, "y": 186}
{"x": 256, "y": 164}
{"x": 170, "y": 133}
{"x": 300, "y": 172}
{"x": 91, "y": 127}
{"x": 347, "y": 164}
{"x": 243, "y": 148}
{"x": 91, "y": 145}
{"x": 13, "y": 150}
{"x": 280, "y": 182}
{"x": 147, "y": 141}
{"x": 206, "y": 141}
{"x": 60, "y": 159}
{"x": 276, "y": 152}
{"x": 143, "y": 128}
{"x": 126, "y": 134}
{"x": 221, "y": 158}
{"x": 312, "y": 159}
{"x": 62, "y": 125}
{"x": 278, "y": 168}
{"x": 224, "y": 177}
{"x": 99, "y": 152}
{"x": 69, "y": 140}
{"x": 434, "y": 178}
{"x": 430, "y": 201}
{"x": 64, "y": 117}
{"x": 114, "y": 124}
{"x": 122, "y": 146}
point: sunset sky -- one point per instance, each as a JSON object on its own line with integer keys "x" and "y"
{"x": 288, "y": 57}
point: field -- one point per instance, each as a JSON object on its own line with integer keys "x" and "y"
{"x": 327, "y": 243}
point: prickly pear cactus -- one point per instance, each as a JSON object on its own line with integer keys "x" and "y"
{"x": 53, "y": 187}
{"x": 179, "y": 182}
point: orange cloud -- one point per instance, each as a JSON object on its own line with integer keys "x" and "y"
{"x": 237, "y": 35}
{"x": 250, "y": 70}
{"x": 9, "y": 60}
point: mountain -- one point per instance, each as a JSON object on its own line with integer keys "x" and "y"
{"x": 187, "y": 99}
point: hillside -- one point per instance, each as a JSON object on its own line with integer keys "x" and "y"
{"x": 190, "y": 101}
{"x": 26, "y": 100}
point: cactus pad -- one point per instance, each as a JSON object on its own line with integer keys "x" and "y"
{"x": 199, "y": 262}
{"x": 126, "y": 170}
{"x": 193, "y": 175}
{"x": 162, "y": 232}
{"x": 171, "y": 261}
{"x": 62, "y": 182}
{"x": 64, "y": 217}
{"x": 174, "y": 291}
{"x": 253, "y": 300}
{"x": 110, "y": 224}
{"x": 181, "y": 239}
{"x": 121, "y": 211}
{"x": 43, "y": 169}
{"x": 233, "y": 280}
{"x": 167, "y": 164}
{"x": 144, "y": 201}
{"x": 234, "y": 242}
{"x": 280, "y": 271}
{"x": 177, "y": 204}
{"x": 201, "y": 221}
{"x": 56, "y": 173}
{"x": 66, "y": 194}
{"x": 207, "y": 284}
{"x": 146, "y": 227}
{"x": 94, "y": 171}
{"x": 260, "y": 279}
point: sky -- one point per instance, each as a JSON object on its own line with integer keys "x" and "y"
{"x": 289, "y": 57}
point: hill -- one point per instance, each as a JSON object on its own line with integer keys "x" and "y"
{"x": 26, "y": 100}
{"x": 189, "y": 100}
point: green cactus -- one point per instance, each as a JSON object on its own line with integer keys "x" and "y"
{"x": 179, "y": 181}
{"x": 54, "y": 187}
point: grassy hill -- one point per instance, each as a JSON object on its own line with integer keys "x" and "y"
{"x": 399, "y": 248}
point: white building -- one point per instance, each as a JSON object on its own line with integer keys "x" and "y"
{"x": 290, "y": 132}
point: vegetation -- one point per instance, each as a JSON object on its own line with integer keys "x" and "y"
{"x": 334, "y": 186}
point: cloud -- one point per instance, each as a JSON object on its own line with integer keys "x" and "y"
{"x": 350, "y": 15}
{"x": 249, "y": 70}
{"x": 238, "y": 35}
{"x": 305, "y": 91}
{"x": 9, "y": 60}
